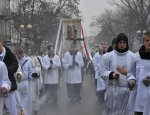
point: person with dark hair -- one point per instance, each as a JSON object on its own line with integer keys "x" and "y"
{"x": 51, "y": 79}
{"x": 113, "y": 45}
{"x": 73, "y": 63}
{"x": 11, "y": 62}
{"x": 141, "y": 70}
{"x": 115, "y": 69}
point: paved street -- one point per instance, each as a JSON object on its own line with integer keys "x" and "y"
{"x": 88, "y": 105}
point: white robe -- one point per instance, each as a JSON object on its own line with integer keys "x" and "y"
{"x": 24, "y": 87}
{"x": 96, "y": 62}
{"x": 36, "y": 82}
{"x": 52, "y": 75}
{"x": 141, "y": 94}
{"x": 101, "y": 83}
{"x": 4, "y": 82}
{"x": 44, "y": 67}
{"x": 73, "y": 76}
{"x": 117, "y": 91}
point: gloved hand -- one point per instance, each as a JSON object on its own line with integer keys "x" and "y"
{"x": 146, "y": 82}
{"x": 35, "y": 75}
{"x": 51, "y": 61}
{"x": 131, "y": 84}
{"x": 113, "y": 75}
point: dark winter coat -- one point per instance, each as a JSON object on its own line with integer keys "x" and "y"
{"x": 12, "y": 65}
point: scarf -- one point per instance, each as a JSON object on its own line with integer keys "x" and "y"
{"x": 143, "y": 54}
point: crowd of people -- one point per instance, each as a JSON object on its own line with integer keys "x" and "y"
{"x": 122, "y": 78}
{"x": 28, "y": 76}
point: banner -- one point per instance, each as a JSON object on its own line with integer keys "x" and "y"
{"x": 71, "y": 32}
{"x": 58, "y": 40}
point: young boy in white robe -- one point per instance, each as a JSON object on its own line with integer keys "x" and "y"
{"x": 139, "y": 99}
{"x": 24, "y": 86}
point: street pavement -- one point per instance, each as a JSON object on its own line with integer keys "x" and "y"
{"x": 88, "y": 105}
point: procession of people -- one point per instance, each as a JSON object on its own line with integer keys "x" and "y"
{"x": 122, "y": 77}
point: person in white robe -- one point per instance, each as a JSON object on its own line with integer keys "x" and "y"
{"x": 51, "y": 79}
{"x": 114, "y": 70}
{"x": 24, "y": 86}
{"x": 99, "y": 82}
{"x": 96, "y": 61}
{"x": 35, "y": 83}
{"x": 7, "y": 56}
{"x": 18, "y": 76}
{"x": 5, "y": 85}
{"x": 72, "y": 63}
{"x": 139, "y": 99}
{"x": 44, "y": 67}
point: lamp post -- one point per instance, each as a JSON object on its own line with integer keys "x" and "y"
{"x": 24, "y": 29}
{"x": 29, "y": 26}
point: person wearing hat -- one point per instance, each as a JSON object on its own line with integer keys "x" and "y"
{"x": 115, "y": 68}
{"x": 139, "y": 99}
{"x": 73, "y": 63}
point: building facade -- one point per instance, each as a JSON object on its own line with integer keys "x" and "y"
{"x": 4, "y": 18}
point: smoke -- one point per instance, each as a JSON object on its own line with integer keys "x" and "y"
{"x": 42, "y": 100}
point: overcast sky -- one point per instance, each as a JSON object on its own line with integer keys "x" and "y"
{"x": 91, "y": 8}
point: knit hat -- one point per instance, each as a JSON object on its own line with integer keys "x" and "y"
{"x": 122, "y": 37}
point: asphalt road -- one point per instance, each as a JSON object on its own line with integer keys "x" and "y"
{"x": 88, "y": 105}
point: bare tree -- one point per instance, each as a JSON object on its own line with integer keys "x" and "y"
{"x": 140, "y": 9}
{"x": 130, "y": 16}
{"x": 44, "y": 16}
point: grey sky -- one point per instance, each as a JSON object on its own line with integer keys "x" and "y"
{"x": 91, "y": 8}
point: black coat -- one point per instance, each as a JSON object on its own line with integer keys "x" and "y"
{"x": 12, "y": 65}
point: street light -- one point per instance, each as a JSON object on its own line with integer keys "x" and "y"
{"x": 22, "y": 26}
{"x": 29, "y": 26}
{"x": 24, "y": 31}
